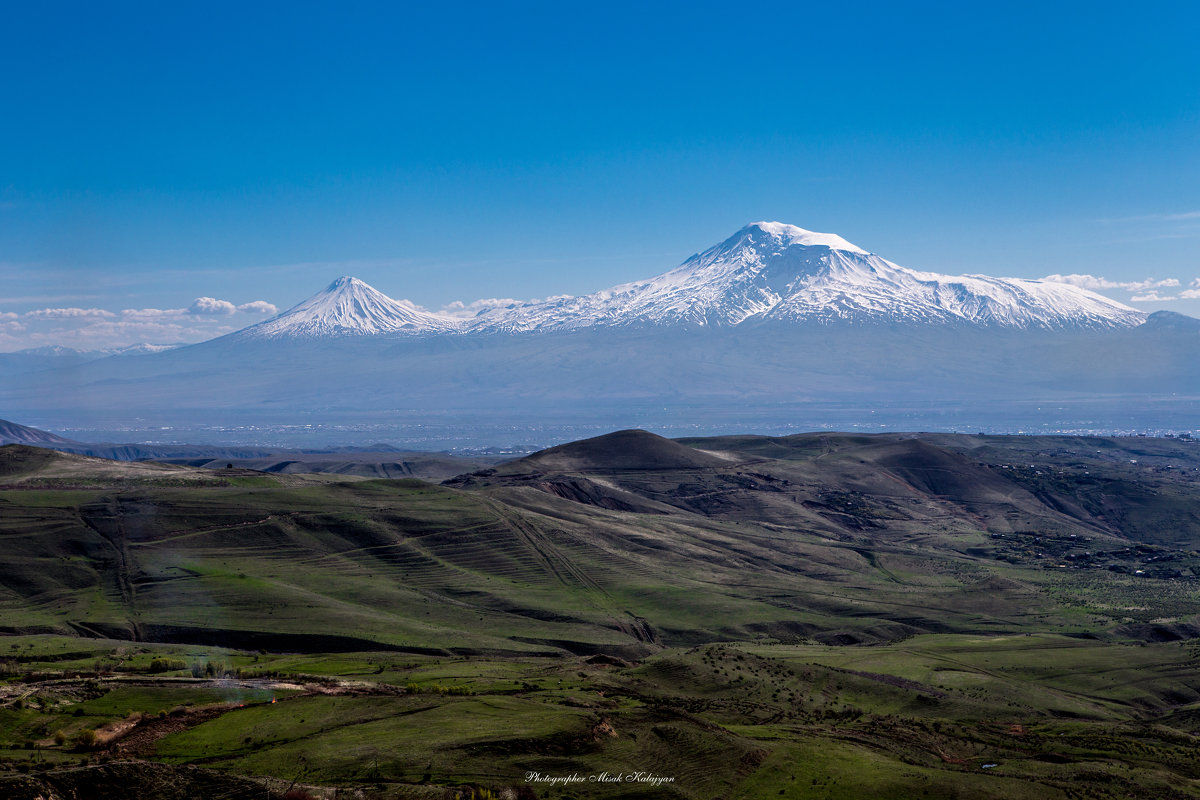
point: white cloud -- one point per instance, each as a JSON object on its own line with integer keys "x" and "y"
{"x": 120, "y": 333}
{"x": 463, "y": 310}
{"x": 1093, "y": 282}
{"x": 68, "y": 313}
{"x": 201, "y": 307}
{"x": 211, "y": 306}
{"x": 467, "y": 310}
{"x": 153, "y": 312}
{"x": 1190, "y": 294}
{"x": 92, "y": 328}
{"x": 1152, "y": 297}
{"x": 258, "y": 307}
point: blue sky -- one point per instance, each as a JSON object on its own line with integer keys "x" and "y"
{"x": 152, "y": 154}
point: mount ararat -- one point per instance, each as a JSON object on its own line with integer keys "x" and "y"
{"x": 766, "y": 272}
{"x": 771, "y": 321}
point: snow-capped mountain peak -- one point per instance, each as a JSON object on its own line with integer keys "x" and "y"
{"x": 765, "y": 273}
{"x": 793, "y": 235}
{"x": 775, "y": 272}
{"x": 350, "y": 307}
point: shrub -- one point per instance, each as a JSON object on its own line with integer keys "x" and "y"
{"x": 215, "y": 669}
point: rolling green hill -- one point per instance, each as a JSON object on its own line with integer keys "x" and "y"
{"x": 821, "y": 615}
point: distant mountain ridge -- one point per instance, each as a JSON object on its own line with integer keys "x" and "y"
{"x": 770, "y": 322}
{"x": 768, "y": 272}
{"x": 381, "y": 460}
{"x": 35, "y": 359}
{"x": 13, "y": 433}
{"x": 774, "y": 272}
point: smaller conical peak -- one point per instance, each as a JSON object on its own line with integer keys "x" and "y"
{"x": 348, "y": 289}
{"x": 350, "y": 307}
{"x": 350, "y": 292}
{"x": 793, "y": 234}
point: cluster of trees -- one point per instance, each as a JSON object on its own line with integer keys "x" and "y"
{"x": 213, "y": 669}
{"x": 437, "y": 688}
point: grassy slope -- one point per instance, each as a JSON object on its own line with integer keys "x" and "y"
{"x": 828, "y": 541}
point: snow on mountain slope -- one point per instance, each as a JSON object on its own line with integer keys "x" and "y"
{"x": 766, "y": 272}
{"x": 349, "y": 307}
{"x": 141, "y": 349}
{"x": 770, "y": 271}
{"x": 847, "y": 286}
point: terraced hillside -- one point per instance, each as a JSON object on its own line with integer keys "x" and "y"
{"x": 813, "y": 616}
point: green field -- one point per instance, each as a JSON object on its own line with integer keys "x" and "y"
{"x": 811, "y": 617}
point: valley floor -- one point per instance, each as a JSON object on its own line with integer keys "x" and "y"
{"x": 940, "y": 716}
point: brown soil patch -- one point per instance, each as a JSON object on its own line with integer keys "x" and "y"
{"x": 139, "y": 740}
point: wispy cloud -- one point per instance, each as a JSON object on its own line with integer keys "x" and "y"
{"x": 474, "y": 308}
{"x": 202, "y": 307}
{"x": 151, "y": 313}
{"x": 68, "y": 313}
{"x": 468, "y": 310}
{"x": 92, "y": 328}
{"x": 1141, "y": 228}
{"x": 1153, "y": 296}
{"x": 1094, "y": 282}
{"x": 1177, "y": 216}
{"x": 106, "y": 333}
{"x": 1155, "y": 237}
{"x": 17, "y": 300}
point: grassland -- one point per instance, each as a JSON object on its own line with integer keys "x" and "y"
{"x": 809, "y": 617}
